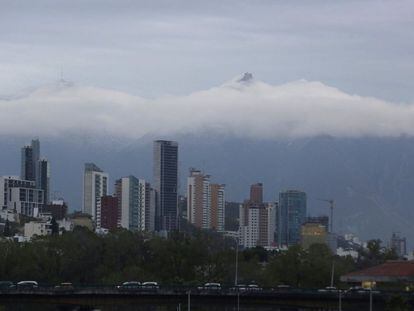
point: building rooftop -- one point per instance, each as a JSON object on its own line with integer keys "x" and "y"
{"x": 390, "y": 271}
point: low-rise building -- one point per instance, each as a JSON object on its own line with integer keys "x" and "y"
{"x": 80, "y": 219}
{"x": 37, "y": 228}
{"x": 391, "y": 274}
{"x": 57, "y": 208}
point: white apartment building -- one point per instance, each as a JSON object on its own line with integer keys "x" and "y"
{"x": 95, "y": 185}
{"x": 205, "y": 201}
{"x": 20, "y": 196}
{"x": 136, "y": 203}
{"x": 257, "y": 224}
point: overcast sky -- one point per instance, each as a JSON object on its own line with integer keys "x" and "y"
{"x": 155, "y": 48}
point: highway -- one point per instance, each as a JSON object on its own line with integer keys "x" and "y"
{"x": 93, "y": 295}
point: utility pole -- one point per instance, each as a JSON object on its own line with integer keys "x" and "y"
{"x": 332, "y": 273}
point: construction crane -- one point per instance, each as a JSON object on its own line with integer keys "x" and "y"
{"x": 331, "y": 206}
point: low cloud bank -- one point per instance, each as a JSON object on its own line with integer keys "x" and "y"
{"x": 241, "y": 107}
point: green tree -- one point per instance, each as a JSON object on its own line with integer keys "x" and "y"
{"x": 7, "y": 230}
{"x": 54, "y": 226}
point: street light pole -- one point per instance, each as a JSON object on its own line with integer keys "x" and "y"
{"x": 370, "y": 299}
{"x": 236, "y": 274}
{"x": 340, "y": 301}
{"x": 237, "y": 263}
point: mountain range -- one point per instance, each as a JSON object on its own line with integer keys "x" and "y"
{"x": 358, "y": 151}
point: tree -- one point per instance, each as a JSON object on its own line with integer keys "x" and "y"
{"x": 54, "y": 226}
{"x": 7, "y": 229}
{"x": 375, "y": 254}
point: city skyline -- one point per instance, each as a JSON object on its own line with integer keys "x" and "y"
{"x": 207, "y": 154}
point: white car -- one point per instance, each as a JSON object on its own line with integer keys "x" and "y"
{"x": 329, "y": 289}
{"x": 150, "y": 285}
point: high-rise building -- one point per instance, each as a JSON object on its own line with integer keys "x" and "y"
{"x": 257, "y": 220}
{"x": 29, "y": 161}
{"x": 205, "y": 201}
{"x": 107, "y": 214}
{"x": 136, "y": 204}
{"x": 257, "y": 224}
{"x": 218, "y": 205}
{"x": 232, "y": 211}
{"x": 166, "y": 184}
{"x": 35, "y": 169}
{"x": 95, "y": 186}
{"x": 291, "y": 216}
{"x": 43, "y": 179}
{"x": 20, "y": 196}
{"x": 399, "y": 244}
{"x": 256, "y": 193}
{"x": 199, "y": 199}
{"x": 322, "y": 220}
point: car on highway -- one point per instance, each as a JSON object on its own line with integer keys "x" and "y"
{"x": 210, "y": 287}
{"x": 150, "y": 286}
{"x": 64, "y": 287}
{"x": 130, "y": 286}
{"x": 362, "y": 290}
{"x": 27, "y": 285}
{"x": 329, "y": 289}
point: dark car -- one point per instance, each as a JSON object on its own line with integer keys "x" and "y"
{"x": 27, "y": 285}
{"x": 64, "y": 287}
{"x": 210, "y": 287}
{"x": 6, "y": 285}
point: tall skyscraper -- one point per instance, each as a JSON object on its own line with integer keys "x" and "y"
{"x": 166, "y": 184}
{"x": 29, "y": 161}
{"x": 257, "y": 224}
{"x": 205, "y": 201}
{"x": 95, "y": 186}
{"x": 35, "y": 169}
{"x": 43, "y": 179}
{"x": 291, "y": 217}
{"x": 136, "y": 204}
{"x": 218, "y": 205}
{"x": 199, "y": 199}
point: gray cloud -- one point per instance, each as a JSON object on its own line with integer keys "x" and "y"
{"x": 153, "y": 48}
{"x": 246, "y": 109}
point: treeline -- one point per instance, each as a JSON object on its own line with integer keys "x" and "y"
{"x": 82, "y": 257}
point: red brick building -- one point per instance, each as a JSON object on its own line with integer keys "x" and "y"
{"x": 108, "y": 216}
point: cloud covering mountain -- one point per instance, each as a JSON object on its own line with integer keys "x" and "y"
{"x": 242, "y": 107}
